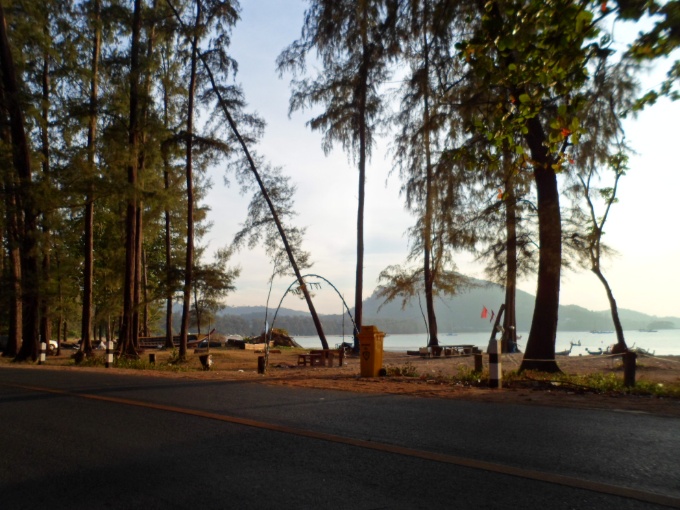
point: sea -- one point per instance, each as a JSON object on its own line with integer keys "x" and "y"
{"x": 661, "y": 342}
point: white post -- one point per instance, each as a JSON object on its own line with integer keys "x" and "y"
{"x": 495, "y": 371}
{"x": 43, "y": 353}
{"x": 109, "y": 354}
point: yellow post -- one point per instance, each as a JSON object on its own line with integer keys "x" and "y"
{"x": 370, "y": 350}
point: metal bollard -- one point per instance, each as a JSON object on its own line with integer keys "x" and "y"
{"x": 109, "y": 354}
{"x": 495, "y": 371}
{"x": 43, "y": 353}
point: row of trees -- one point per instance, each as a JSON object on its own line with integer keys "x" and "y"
{"x": 103, "y": 166}
{"x": 500, "y": 103}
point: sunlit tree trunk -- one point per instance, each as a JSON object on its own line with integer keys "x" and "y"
{"x": 145, "y": 296}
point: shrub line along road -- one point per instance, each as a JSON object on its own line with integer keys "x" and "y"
{"x": 335, "y": 449}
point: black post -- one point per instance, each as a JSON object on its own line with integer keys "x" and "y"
{"x": 478, "y": 362}
{"x": 629, "y": 362}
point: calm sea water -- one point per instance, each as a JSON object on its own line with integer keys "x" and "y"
{"x": 662, "y": 342}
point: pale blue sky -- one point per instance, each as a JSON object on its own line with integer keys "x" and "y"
{"x": 642, "y": 227}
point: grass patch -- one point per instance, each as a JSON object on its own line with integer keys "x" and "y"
{"x": 171, "y": 365}
{"x": 406, "y": 370}
{"x": 90, "y": 361}
{"x": 596, "y": 382}
{"x": 468, "y": 377}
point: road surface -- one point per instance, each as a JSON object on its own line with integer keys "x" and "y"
{"x": 73, "y": 440}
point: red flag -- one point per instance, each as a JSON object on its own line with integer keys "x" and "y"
{"x": 485, "y": 312}
{"x": 493, "y": 314}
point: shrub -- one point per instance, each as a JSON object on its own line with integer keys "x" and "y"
{"x": 407, "y": 370}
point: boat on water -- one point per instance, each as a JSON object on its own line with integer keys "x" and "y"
{"x": 647, "y": 330}
{"x": 598, "y": 332}
{"x": 567, "y": 352}
{"x": 640, "y": 350}
{"x": 594, "y": 353}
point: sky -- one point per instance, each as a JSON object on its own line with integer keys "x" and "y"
{"x": 642, "y": 227}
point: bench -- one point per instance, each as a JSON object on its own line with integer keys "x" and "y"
{"x": 329, "y": 354}
{"x": 314, "y": 360}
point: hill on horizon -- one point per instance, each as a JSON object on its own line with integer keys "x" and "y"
{"x": 458, "y": 313}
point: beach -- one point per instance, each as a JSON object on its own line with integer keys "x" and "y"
{"x": 425, "y": 377}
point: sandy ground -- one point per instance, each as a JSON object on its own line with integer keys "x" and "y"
{"x": 429, "y": 377}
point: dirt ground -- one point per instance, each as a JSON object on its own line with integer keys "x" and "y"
{"x": 428, "y": 377}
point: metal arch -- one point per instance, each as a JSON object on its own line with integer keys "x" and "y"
{"x": 356, "y": 331}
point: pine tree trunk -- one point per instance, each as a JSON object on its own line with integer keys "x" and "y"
{"x": 168, "y": 260}
{"x": 429, "y": 195}
{"x": 169, "y": 344}
{"x": 140, "y": 316}
{"x": 509, "y": 342}
{"x": 197, "y": 311}
{"x": 189, "y": 258}
{"x": 13, "y": 237}
{"x": 145, "y": 296}
{"x": 127, "y": 335}
{"x": 45, "y": 319}
{"x": 22, "y": 163}
{"x": 14, "y": 288}
{"x": 88, "y": 259}
{"x": 359, "y": 275}
{"x": 361, "y": 118}
{"x": 620, "y": 340}
{"x": 272, "y": 209}
{"x": 139, "y": 240}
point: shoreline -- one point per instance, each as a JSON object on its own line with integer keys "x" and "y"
{"x": 429, "y": 377}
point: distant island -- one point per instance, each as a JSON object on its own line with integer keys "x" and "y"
{"x": 455, "y": 314}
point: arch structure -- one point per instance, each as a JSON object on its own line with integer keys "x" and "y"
{"x": 354, "y": 326}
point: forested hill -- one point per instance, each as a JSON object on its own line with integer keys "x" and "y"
{"x": 454, "y": 314}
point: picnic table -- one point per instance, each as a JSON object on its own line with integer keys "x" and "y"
{"x": 448, "y": 350}
{"x": 321, "y": 357}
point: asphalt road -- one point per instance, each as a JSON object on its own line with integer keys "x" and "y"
{"x": 97, "y": 440}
